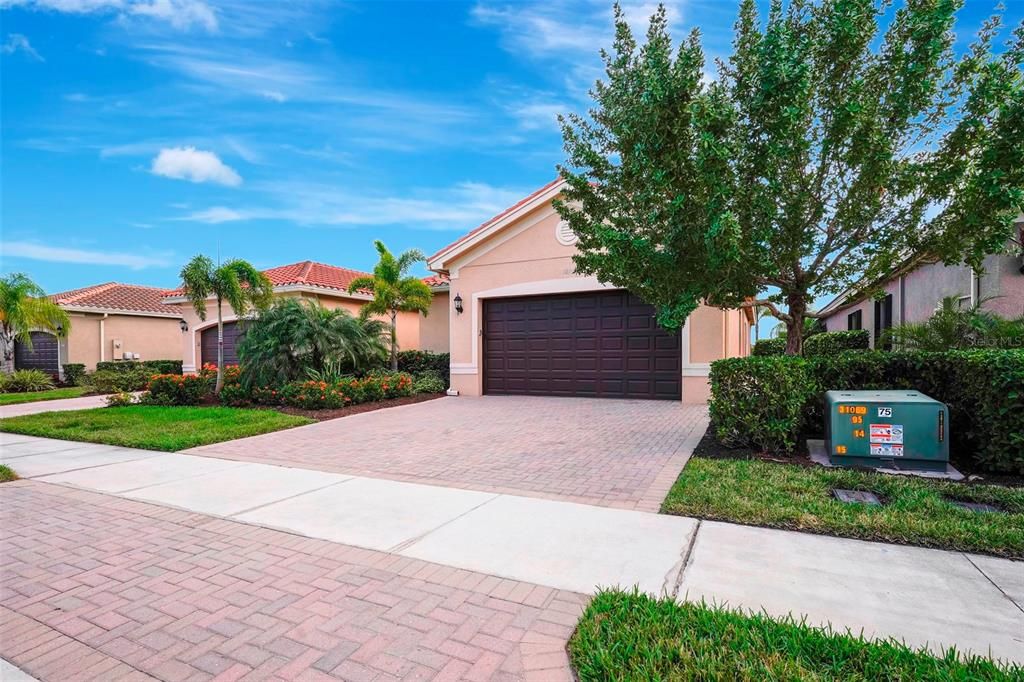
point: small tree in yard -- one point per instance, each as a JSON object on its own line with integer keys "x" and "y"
{"x": 394, "y": 290}
{"x": 829, "y": 149}
{"x": 24, "y": 308}
{"x": 236, "y": 282}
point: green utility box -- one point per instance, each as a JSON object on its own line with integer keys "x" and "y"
{"x": 892, "y": 429}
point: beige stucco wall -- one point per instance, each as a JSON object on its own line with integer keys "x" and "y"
{"x": 153, "y": 338}
{"x": 526, "y": 258}
{"x": 408, "y": 324}
{"x": 434, "y": 327}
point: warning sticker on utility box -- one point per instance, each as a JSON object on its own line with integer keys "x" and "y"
{"x": 887, "y": 433}
{"x": 887, "y": 450}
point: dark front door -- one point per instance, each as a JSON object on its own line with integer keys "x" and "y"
{"x": 43, "y": 355}
{"x": 599, "y": 344}
{"x": 232, "y": 335}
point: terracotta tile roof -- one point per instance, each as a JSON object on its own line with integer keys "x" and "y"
{"x": 491, "y": 221}
{"x": 308, "y": 273}
{"x": 437, "y": 281}
{"x": 116, "y": 296}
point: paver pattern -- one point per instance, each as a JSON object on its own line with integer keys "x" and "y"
{"x": 616, "y": 453}
{"x": 94, "y": 587}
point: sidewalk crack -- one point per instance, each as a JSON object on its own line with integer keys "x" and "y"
{"x": 685, "y": 558}
{"x": 994, "y": 584}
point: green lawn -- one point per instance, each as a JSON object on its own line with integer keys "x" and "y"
{"x": 800, "y": 498}
{"x": 626, "y": 636}
{"x": 152, "y": 427}
{"x": 52, "y": 394}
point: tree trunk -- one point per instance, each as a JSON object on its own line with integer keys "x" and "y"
{"x": 220, "y": 349}
{"x": 797, "y": 304}
{"x": 394, "y": 344}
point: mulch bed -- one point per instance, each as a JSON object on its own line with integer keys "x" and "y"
{"x": 710, "y": 448}
{"x": 324, "y": 415}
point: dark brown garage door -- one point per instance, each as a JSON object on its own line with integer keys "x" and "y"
{"x": 601, "y": 344}
{"x": 232, "y": 335}
{"x": 43, "y": 355}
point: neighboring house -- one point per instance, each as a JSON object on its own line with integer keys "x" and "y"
{"x": 914, "y": 290}
{"x": 529, "y": 324}
{"x": 109, "y": 321}
{"x": 327, "y": 284}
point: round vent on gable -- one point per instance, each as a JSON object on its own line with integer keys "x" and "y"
{"x": 564, "y": 234}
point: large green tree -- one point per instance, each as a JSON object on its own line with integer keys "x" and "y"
{"x": 24, "y": 308}
{"x": 235, "y": 282}
{"x": 836, "y": 141}
{"x": 296, "y": 337}
{"x": 394, "y": 290}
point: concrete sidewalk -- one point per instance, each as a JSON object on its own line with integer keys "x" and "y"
{"x": 62, "y": 405}
{"x": 921, "y": 596}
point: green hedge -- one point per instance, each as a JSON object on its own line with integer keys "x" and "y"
{"x": 830, "y": 343}
{"x": 73, "y": 373}
{"x": 752, "y": 398}
{"x": 769, "y": 347}
{"x": 420, "y": 362}
{"x": 151, "y": 366}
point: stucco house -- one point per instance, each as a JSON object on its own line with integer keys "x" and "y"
{"x": 110, "y": 321}
{"x": 524, "y": 322}
{"x": 913, "y": 291}
{"x": 328, "y": 284}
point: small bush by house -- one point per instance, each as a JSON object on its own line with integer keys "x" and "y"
{"x": 118, "y": 380}
{"x": 766, "y": 347}
{"x": 151, "y": 366}
{"x": 752, "y": 399}
{"x": 176, "y": 389}
{"x": 428, "y": 383}
{"x": 420, "y": 362}
{"x": 74, "y": 372}
{"x": 830, "y": 343}
{"x": 25, "y": 381}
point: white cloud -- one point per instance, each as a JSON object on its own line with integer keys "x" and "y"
{"x": 181, "y": 14}
{"x": 539, "y": 115}
{"x": 455, "y": 208}
{"x": 189, "y": 163}
{"x": 274, "y": 95}
{"x": 16, "y": 42}
{"x": 53, "y": 254}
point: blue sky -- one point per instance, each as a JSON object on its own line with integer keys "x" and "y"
{"x": 139, "y": 133}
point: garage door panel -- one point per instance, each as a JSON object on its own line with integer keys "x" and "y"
{"x": 601, "y": 344}
{"x": 232, "y": 335}
{"x": 43, "y": 356}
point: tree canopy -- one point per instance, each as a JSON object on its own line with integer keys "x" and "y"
{"x": 840, "y": 138}
{"x": 24, "y": 308}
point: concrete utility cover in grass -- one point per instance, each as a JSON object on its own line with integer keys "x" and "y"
{"x": 143, "y": 473}
{"x": 920, "y": 595}
{"x": 561, "y": 544}
{"x": 856, "y": 497}
{"x": 238, "y": 489}
{"x": 90, "y": 455}
{"x": 370, "y": 513}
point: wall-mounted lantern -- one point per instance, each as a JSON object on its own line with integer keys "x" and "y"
{"x": 184, "y": 325}
{"x": 458, "y": 304}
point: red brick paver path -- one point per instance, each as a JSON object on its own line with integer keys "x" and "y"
{"x": 617, "y": 453}
{"x": 94, "y": 587}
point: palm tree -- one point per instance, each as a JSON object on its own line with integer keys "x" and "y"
{"x": 394, "y": 290}
{"x": 953, "y": 326}
{"x": 25, "y": 308}
{"x": 237, "y": 282}
{"x": 300, "y": 337}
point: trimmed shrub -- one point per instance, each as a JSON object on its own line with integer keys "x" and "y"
{"x": 151, "y": 366}
{"x": 235, "y": 395}
{"x": 118, "y": 381}
{"x": 123, "y": 399}
{"x": 74, "y": 373}
{"x": 321, "y": 395}
{"x": 314, "y": 395}
{"x": 759, "y": 401}
{"x": 830, "y": 343}
{"x": 27, "y": 381}
{"x": 418, "y": 362}
{"x": 984, "y": 390}
{"x": 766, "y": 347}
{"x": 176, "y": 389}
{"x": 429, "y": 383}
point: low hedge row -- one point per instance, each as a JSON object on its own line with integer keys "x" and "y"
{"x": 767, "y": 347}
{"x": 151, "y": 366}
{"x": 420, "y": 362}
{"x": 770, "y": 402}
{"x": 74, "y": 372}
{"x": 322, "y": 395}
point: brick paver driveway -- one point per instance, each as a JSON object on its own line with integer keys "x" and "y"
{"x": 93, "y": 587}
{"x": 620, "y": 453}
